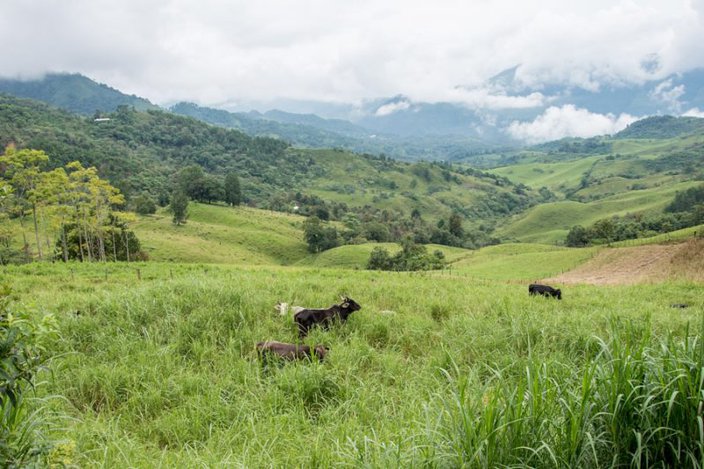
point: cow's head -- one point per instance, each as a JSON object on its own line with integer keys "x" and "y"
{"x": 320, "y": 351}
{"x": 558, "y": 293}
{"x": 349, "y": 304}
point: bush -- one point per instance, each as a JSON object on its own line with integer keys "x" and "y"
{"x": 22, "y": 355}
{"x": 411, "y": 257}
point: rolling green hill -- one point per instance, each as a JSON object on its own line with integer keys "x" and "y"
{"x": 143, "y": 151}
{"x": 538, "y": 197}
{"x": 224, "y": 235}
{"x": 549, "y": 223}
{"x": 245, "y": 236}
{"x": 635, "y": 175}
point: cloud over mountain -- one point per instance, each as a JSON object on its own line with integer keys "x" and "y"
{"x": 568, "y": 120}
{"x": 211, "y": 51}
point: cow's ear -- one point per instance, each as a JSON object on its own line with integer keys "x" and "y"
{"x": 345, "y": 305}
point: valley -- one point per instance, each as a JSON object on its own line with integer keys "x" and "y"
{"x": 150, "y": 360}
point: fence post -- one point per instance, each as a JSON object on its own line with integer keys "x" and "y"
{"x": 139, "y": 274}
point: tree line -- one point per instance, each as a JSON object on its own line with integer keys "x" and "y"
{"x": 64, "y": 213}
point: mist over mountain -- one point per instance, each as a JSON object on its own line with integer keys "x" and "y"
{"x": 504, "y": 112}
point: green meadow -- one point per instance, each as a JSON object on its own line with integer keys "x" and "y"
{"x": 154, "y": 365}
{"x": 551, "y": 222}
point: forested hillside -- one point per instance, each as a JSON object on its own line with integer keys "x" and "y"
{"x": 73, "y": 92}
{"x": 143, "y": 152}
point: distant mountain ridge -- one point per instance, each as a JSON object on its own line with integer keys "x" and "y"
{"x": 399, "y": 126}
{"x": 662, "y": 127}
{"x": 73, "y": 92}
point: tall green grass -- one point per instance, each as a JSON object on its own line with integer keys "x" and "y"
{"x": 161, "y": 370}
{"x": 637, "y": 403}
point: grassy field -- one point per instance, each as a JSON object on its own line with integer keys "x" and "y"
{"x": 550, "y": 223}
{"x": 554, "y": 175}
{"x": 218, "y": 234}
{"x": 155, "y": 367}
{"x": 636, "y": 175}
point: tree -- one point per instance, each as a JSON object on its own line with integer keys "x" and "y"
{"x": 144, "y": 204}
{"x": 22, "y": 168}
{"x": 578, "y": 236}
{"x": 319, "y": 237}
{"x": 190, "y": 181}
{"x": 411, "y": 257}
{"x": 375, "y": 231}
{"x": 179, "y": 207}
{"x": 233, "y": 193}
{"x": 210, "y": 190}
{"x": 455, "y": 225}
{"x": 379, "y": 259}
{"x": 685, "y": 200}
{"x": 604, "y": 230}
{"x": 93, "y": 200}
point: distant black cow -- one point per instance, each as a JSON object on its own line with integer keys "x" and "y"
{"x": 307, "y": 318}
{"x": 290, "y": 351}
{"x": 545, "y": 290}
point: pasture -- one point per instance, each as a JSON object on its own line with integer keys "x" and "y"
{"x": 550, "y": 222}
{"x": 157, "y": 367}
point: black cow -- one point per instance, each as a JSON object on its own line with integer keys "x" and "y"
{"x": 545, "y": 290}
{"x": 290, "y": 351}
{"x": 307, "y": 318}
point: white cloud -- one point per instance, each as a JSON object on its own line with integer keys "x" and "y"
{"x": 694, "y": 112}
{"x": 390, "y": 108}
{"x": 669, "y": 95}
{"x": 568, "y": 121}
{"x": 213, "y": 51}
{"x": 494, "y": 99}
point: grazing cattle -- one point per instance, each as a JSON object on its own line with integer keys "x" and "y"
{"x": 545, "y": 290}
{"x": 680, "y": 305}
{"x": 290, "y": 351}
{"x": 308, "y": 318}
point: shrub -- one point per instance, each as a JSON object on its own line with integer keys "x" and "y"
{"x": 411, "y": 257}
{"x": 22, "y": 355}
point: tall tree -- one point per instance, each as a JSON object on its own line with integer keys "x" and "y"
{"x": 93, "y": 199}
{"x": 455, "y": 225}
{"x": 22, "y": 168}
{"x": 179, "y": 207}
{"x": 233, "y": 192}
{"x": 191, "y": 180}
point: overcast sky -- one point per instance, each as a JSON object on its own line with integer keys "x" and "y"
{"x": 233, "y": 52}
{"x": 212, "y": 51}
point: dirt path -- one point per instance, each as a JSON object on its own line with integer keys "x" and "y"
{"x": 640, "y": 264}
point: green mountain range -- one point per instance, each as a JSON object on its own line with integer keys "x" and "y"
{"x": 534, "y": 194}
{"x": 143, "y": 151}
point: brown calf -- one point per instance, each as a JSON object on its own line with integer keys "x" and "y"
{"x": 290, "y": 351}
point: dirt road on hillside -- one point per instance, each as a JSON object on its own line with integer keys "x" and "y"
{"x": 640, "y": 264}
